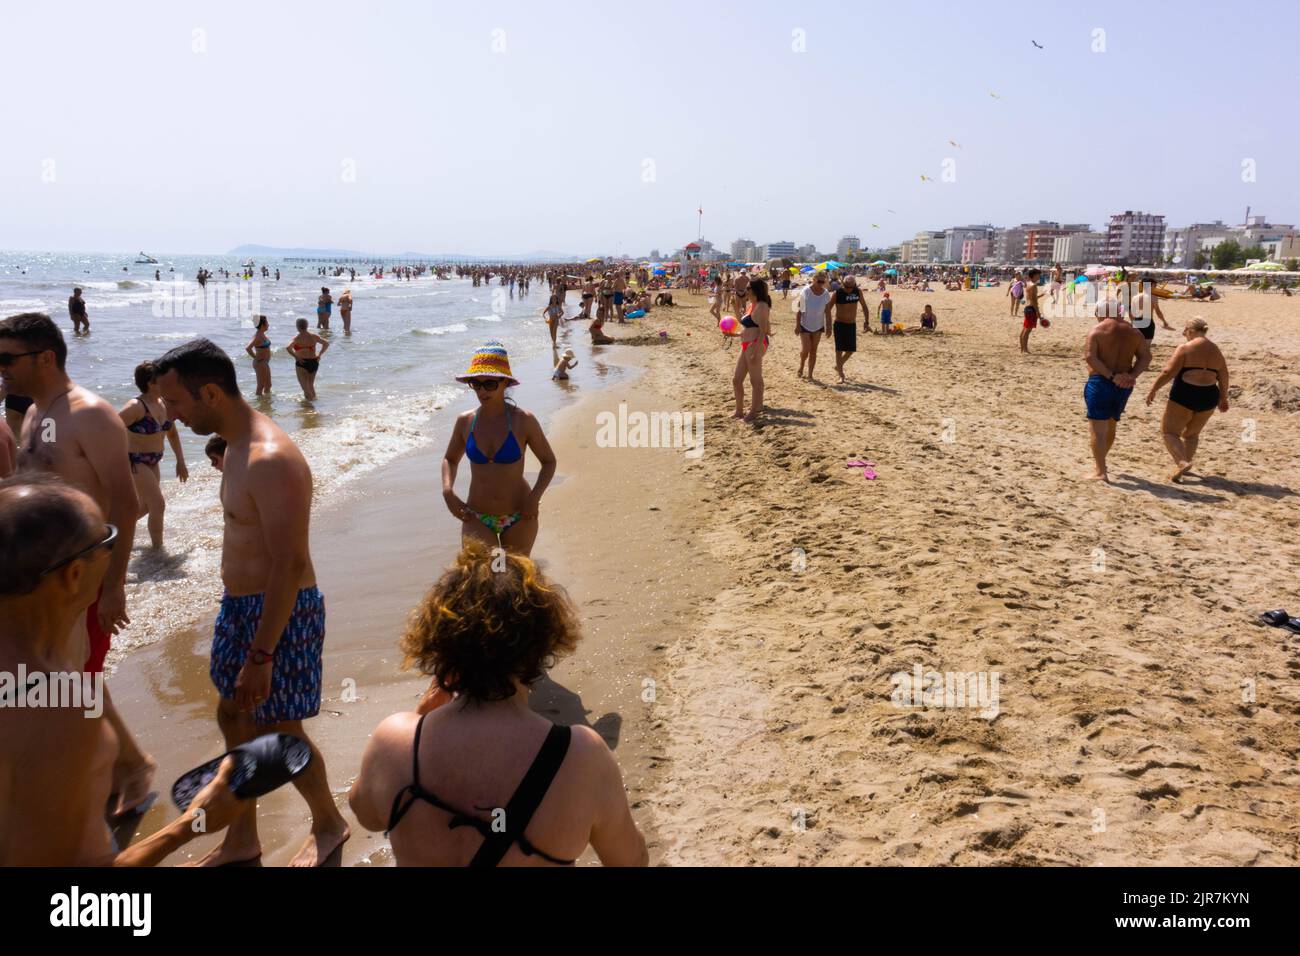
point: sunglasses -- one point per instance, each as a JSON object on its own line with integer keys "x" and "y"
{"x": 8, "y": 358}
{"x": 107, "y": 542}
{"x": 487, "y": 384}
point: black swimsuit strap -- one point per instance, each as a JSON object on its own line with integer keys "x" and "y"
{"x": 527, "y": 798}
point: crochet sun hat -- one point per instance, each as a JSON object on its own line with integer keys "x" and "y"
{"x": 490, "y": 361}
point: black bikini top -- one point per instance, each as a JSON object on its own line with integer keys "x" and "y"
{"x": 518, "y": 812}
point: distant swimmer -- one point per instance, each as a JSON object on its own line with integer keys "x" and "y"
{"x": 1200, "y": 376}
{"x": 147, "y": 421}
{"x": 500, "y": 508}
{"x": 259, "y": 350}
{"x": 1116, "y": 354}
{"x": 269, "y": 635}
{"x": 324, "y": 303}
{"x": 306, "y": 359}
{"x": 77, "y": 312}
{"x": 345, "y": 309}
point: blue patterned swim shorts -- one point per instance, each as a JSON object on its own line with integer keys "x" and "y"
{"x": 296, "y": 670}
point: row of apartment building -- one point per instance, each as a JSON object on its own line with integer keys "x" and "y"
{"x": 1132, "y": 237}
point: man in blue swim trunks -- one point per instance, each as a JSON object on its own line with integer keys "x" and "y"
{"x": 1116, "y": 354}
{"x": 269, "y": 634}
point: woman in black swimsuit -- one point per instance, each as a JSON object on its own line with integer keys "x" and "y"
{"x": 475, "y": 776}
{"x": 1200, "y": 376}
{"x": 306, "y": 359}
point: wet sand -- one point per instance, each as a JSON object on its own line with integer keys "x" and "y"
{"x": 376, "y": 552}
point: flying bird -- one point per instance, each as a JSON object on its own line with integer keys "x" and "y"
{"x": 875, "y": 225}
{"x": 1037, "y": 44}
{"x": 954, "y": 143}
{"x": 890, "y": 210}
{"x": 994, "y": 95}
{"x": 925, "y": 178}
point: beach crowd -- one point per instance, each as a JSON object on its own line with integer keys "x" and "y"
{"x": 473, "y": 775}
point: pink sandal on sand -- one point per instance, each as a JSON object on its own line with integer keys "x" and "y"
{"x": 868, "y": 468}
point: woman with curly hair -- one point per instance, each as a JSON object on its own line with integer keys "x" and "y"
{"x": 474, "y": 776}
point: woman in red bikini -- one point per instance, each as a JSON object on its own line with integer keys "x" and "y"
{"x": 757, "y": 323}
{"x": 502, "y": 508}
{"x": 306, "y": 359}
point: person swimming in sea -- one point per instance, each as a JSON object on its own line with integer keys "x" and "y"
{"x": 501, "y": 508}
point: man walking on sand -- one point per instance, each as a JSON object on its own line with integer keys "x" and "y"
{"x": 269, "y": 634}
{"x": 1116, "y": 354}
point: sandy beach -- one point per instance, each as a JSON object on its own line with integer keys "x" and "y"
{"x": 745, "y": 609}
{"x": 1145, "y": 718}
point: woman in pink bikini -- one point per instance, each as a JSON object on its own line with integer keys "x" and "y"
{"x": 757, "y": 323}
{"x": 501, "y": 507}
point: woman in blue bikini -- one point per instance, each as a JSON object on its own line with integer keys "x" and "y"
{"x": 501, "y": 507}
{"x": 259, "y": 350}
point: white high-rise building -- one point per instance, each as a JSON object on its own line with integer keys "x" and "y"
{"x": 1135, "y": 238}
{"x": 847, "y": 246}
{"x": 957, "y": 236}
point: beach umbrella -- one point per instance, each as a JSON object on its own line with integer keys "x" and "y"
{"x": 596, "y": 259}
{"x": 830, "y": 264}
{"x": 659, "y": 272}
{"x": 807, "y": 269}
{"x": 891, "y": 272}
{"x": 1098, "y": 271}
{"x": 880, "y": 262}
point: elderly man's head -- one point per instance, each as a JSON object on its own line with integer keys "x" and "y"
{"x": 54, "y": 543}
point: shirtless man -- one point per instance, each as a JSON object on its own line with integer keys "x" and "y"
{"x": 77, "y": 312}
{"x": 739, "y": 289}
{"x": 266, "y": 649}
{"x": 846, "y": 301}
{"x": 56, "y": 762}
{"x": 1031, "y": 309}
{"x": 1116, "y": 354}
{"x": 620, "y": 294}
{"x": 71, "y": 432}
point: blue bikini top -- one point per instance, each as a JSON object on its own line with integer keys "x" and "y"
{"x": 507, "y": 454}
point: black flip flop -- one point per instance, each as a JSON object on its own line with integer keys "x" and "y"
{"x": 262, "y": 765}
{"x": 1276, "y": 618}
{"x": 1292, "y": 624}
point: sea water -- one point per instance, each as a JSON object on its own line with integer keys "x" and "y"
{"x": 382, "y": 391}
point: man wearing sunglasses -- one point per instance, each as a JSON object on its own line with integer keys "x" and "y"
{"x": 73, "y": 433}
{"x": 56, "y": 761}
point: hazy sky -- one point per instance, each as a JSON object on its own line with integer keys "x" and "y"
{"x": 507, "y": 127}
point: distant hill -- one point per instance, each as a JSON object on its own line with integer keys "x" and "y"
{"x": 254, "y": 251}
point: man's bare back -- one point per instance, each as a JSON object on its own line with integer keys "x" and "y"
{"x": 271, "y": 460}
{"x": 1116, "y": 346}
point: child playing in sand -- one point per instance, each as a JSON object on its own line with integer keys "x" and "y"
{"x": 567, "y": 361}
{"x": 929, "y": 320}
{"x": 885, "y": 312}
